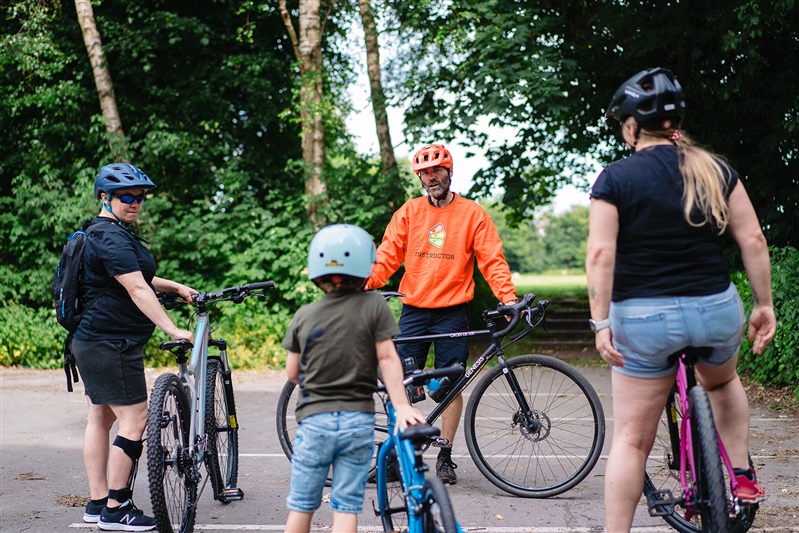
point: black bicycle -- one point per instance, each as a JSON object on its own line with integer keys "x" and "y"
{"x": 534, "y": 425}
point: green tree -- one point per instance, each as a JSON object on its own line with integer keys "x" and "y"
{"x": 546, "y": 72}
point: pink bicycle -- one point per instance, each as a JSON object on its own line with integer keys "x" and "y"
{"x": 689, "y": 479}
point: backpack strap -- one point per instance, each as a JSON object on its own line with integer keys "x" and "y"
{"x": 70, "y": 369}
{"x": 70, "y": 366}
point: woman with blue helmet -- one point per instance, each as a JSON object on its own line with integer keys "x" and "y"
{"x": 119, "y": 277}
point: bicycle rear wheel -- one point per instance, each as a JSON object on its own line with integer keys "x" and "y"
{"x": 544, "y": 456}
{"x": 221, "y": 426}
{"x": 287, "y": 424}
{"x": 171, "y": 473}
{"x": 663, "y": 477}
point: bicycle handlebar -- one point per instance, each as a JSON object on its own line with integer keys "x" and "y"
{"x": 170, "y": 300}
{"x": 515, "y": 311}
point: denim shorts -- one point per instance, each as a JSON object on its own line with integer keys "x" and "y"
{"x": 343, "y": 440}
{"x": 421, "y": 321}
{"x": 648, "y": 330}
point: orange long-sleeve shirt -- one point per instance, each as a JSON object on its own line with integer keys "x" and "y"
{"x": 439, "y": 247}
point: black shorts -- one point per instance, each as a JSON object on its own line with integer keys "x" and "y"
{"x": 112, "y": 371}
{"x": 416, "y": 321}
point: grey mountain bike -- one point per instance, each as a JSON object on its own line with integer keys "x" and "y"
{"x": 192, "y": 420}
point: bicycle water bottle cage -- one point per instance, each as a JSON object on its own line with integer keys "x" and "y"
{"x": 442, "y": 386}
{"x": 415, "y": 392}
{"x": 661, "y": 503}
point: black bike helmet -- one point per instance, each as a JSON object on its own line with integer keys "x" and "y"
{"x": 120, "y": 176}
{"x": 653, "y": 97}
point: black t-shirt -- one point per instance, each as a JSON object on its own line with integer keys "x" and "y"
{"x": 338, "y": 371}
{"x": 112, "y": 250}
{"x": 658, "y": 253}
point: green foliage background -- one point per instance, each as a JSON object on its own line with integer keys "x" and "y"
{"x": 208, "y": 96}
{"x": 778, "y": 364}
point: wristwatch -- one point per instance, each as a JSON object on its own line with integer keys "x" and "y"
{"x": 597, "y": 325}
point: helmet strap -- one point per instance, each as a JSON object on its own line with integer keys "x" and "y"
{"x": 107, "y": 207}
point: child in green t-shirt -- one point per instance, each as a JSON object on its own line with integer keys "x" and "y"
{"x": 335, "y": 346}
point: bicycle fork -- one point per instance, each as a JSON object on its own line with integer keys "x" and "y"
{"x": 529, "y": 421}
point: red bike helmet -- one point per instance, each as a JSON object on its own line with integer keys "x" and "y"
{"x": 432, "y": 155}
{"x": 653, "y": 97}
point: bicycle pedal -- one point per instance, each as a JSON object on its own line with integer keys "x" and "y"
{"x": 232, "y": 495}
{"x": 440, "y": 442}
{"x": 661, "y": 503}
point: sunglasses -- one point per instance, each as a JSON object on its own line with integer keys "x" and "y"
{"x": 129, "y": 198}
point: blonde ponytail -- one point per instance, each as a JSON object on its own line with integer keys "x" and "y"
{"x": 705, "y": 177}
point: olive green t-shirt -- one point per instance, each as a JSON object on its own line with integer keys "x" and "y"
{"x": 336, "y": 339}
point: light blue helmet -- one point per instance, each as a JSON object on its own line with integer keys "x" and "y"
{"x": 341, "y": 249}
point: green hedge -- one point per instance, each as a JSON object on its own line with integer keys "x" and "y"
{"x": 32, "y": 337}
{"x": 778, "y": 364}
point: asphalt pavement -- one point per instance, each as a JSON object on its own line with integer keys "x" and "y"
{"x": 43, "y": 484}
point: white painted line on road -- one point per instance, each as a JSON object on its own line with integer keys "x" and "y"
{"x": 476, "y": 529}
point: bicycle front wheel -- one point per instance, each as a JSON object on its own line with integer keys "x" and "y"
{"x": 438, "y": 516}
{"x": 548, "y": 451}
{"x": 221, "y": 426}
{"x": 395, "y": 516}
{"x": 170, "y": 470}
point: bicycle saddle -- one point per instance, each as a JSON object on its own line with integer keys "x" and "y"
{"x": 420, "y": 433}
{"x": 692, "y": 354}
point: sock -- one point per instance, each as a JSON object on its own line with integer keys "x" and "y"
{"x": 445, "y": 453}
{"x": 101, "y": 501}
{"x": 747, "y": 472}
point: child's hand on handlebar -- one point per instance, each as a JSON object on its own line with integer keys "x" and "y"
{"x": 408, "y": 415}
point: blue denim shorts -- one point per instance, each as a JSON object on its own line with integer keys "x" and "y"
{"x": 421, "y": 321}
{"x": 343, "y": 440}
{"x": 648, "y": 330}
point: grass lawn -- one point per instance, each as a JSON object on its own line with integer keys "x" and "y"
{"x": 552, "y": 285}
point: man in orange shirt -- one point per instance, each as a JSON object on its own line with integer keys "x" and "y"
{"x": 439, "y": 236}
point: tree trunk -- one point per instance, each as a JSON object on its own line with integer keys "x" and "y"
{"x": 308, "y": 51}
{"x": 102, "y": 80}
{"x": 388, "y": 161}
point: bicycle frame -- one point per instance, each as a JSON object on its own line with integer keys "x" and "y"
{"x": 685, "y": 381}
{"x": 497, "y": 348}
{"x": 411, "y": 469}
{"x": 197, "y": 368}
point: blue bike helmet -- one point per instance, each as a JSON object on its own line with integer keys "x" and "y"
{"x": 341, "y": 249}
{"x": 120, "y": 176}
{"x": 653, "y": 97}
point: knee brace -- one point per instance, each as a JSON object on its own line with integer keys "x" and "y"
{"x": 133, "y": 449}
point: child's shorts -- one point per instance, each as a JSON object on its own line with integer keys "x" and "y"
{"x": 343, "y": 440}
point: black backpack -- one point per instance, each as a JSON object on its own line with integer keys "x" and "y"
{"x": 67, "y": 293}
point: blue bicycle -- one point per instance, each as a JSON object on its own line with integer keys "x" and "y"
{"x": 407, "y": 499}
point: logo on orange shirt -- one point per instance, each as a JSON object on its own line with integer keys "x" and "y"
{"x": 436, "y": 235}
